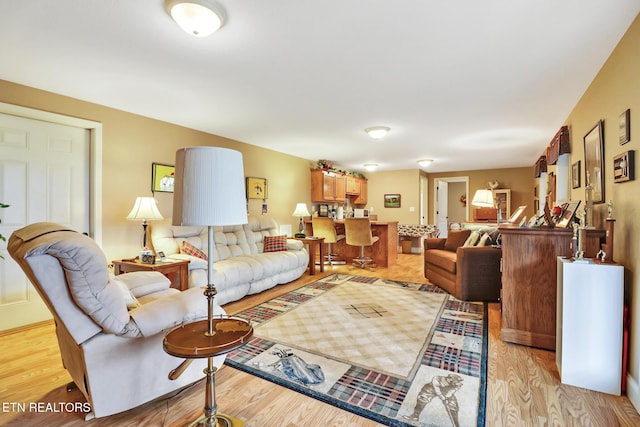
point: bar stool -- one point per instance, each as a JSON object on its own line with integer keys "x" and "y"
{"x": 325, "y": 227}
{"x": 358, "y": 231}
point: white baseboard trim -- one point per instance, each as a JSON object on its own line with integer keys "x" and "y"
{"x": 633, "y": 391}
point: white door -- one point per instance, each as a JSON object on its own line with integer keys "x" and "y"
{"x": 442, "y": 213}
{"x": 44, "y": 176}
{"x": 424, "y": 200}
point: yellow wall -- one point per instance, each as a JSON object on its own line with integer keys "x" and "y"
{"x": 616, "y": 88}
{"x": 404, "y": 182}
{"x": 456, "y": 211}
{"x": 519, "y": 180}
{"x": 132, "y": 142}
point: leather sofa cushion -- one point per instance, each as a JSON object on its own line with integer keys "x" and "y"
{"x": 441, "y": 258}
{"x": 455, "y": 239}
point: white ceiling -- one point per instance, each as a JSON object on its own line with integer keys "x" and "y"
{"x": 472, "y": 84}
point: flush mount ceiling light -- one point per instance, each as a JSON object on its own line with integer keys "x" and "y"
{"x": 377, "y": 132}
{"x": 370, "y": 166}
{"x": 425, "y": 162}
{"x": 199, "y": 18}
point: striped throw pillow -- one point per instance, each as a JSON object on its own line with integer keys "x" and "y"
{"x": 189, "y": 249}
{"x": 275, "y": 243}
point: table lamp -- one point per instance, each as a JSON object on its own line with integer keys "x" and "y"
{"x": 484, "y": 198}
{"x": 301, "y": 211}
{"x": 209, "y": 190}
{"x": 146, "y": 209}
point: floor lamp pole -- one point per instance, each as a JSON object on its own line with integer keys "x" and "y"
{"x": 210, "y": 407}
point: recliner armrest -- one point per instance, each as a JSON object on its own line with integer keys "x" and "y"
{"x": 142, "y": 283}
{"x": 184, "y": 307}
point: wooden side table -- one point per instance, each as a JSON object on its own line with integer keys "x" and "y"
{"x": 206, "y": 339}
{"x": 177, "y": 271}
{"x": 314, "y": 243}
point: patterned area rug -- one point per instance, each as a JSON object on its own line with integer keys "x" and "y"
{"x": 402, "y": 354}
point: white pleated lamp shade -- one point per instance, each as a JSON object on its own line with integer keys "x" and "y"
{"x": 483, "y": 198}
{"x": 209, "y": 187}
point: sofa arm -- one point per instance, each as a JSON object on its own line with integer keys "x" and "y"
{"x": 295, "y": 245}
{"x": 434, "y": 243}
{"x": 478, "y": 275}
{"x": 165, "y": 313}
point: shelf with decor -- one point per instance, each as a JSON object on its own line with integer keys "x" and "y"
{"x": 502, "y": 199}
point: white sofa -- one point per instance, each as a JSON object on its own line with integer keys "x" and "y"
{"x": 241, "y": 267}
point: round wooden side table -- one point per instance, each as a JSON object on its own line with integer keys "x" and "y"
{"x": 193, "y": 341}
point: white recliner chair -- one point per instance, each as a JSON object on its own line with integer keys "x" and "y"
{"x": 110, "y": 329}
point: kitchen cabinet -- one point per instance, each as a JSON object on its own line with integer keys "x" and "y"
{"x": 353, "y": 185}
{"x": 362, "y": 198}
{"x": 327, "y": 186}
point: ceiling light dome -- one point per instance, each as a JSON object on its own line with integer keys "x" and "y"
{"x": 377, "y": 132}
{"x": 199, "y": 18}
{"x": 425, "y": 162}
{"x": 370, "y": 166}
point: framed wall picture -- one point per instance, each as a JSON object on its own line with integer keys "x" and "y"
{"x": 162, "y": 178}
{"x": 625, "y": 127}
{"x": 569, "y": 210}
{"x": 624, "y": 167}
{"x": 593, "y": 162}
{"x": 256, "y": 188}
{"x": 392, "y": 200}
{"x": 575, "y": 175}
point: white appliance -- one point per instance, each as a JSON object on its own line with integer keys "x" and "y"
{"x": 361, "y": 213}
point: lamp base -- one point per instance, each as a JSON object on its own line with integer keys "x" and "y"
{"x": 221, "y": 420}
{"x": 301, "y": 235}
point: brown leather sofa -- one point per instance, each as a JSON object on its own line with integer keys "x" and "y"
{"x": 469, "y": 273}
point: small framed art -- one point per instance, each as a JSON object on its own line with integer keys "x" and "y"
{"x": 594, "y": 161}
{"x": 256, "y": 188}
{"x": 392, "y": 200}
{"x": 625, "y": 127}
{"x": 575, "y": 175}
{"x": 624, "y": 167}
{"x": 162, "y": 178}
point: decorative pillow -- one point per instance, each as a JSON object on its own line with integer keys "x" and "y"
{"x": 485, "y": 240}
{"x": 275, "y": 243}
{"x": 473, "y": 238}
{"x": 189, "y": 249}
{"x": 455, "y": 239}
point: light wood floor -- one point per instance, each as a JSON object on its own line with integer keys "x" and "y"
{"x": 523, "y": 384}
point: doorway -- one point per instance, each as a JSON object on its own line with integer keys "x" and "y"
{"x": 49, "y": 171}
{"x": 443, "y": 194}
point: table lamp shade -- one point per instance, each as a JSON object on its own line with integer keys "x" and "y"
{"x": 145, "y": 208}
{"x": 301, "y": 210}
{"x": 209, "y": 187}
{"x": 483, "y": 198}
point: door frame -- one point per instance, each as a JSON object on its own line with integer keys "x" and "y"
{"x": 449, "y": 179}
{"x": 95, "y": 157}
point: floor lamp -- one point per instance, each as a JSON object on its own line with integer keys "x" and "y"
{"x": 209, "y": 191}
